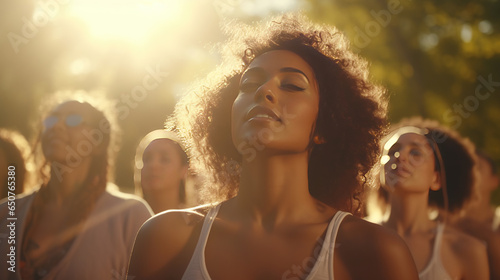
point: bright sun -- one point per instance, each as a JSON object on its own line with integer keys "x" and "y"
{"x": 130, "y": 20}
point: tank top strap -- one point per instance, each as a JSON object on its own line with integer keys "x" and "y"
{"x": 205, "y": 231}
{"x": 435, "y": 269}
{"x": 496, "y": 219}
{"x": 323, "y": 268}
{"x": 197, "y": 269}
{"x": 436, "y": 251}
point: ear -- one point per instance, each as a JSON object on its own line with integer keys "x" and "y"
{"x": 496, "y": 181}
{"x": 436, "y": 181}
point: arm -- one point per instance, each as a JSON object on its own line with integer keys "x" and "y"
{"x": 376, "y": 253}
{"x": 474, "y": 259}
{"x": 491, "y": 238}
{"x": 391, "y": 258}
{"x": 163, "y": 247}
{"x": 494, "y": 255}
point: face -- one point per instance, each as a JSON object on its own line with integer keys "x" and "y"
{"x": 411, "y": 165}
{"x": 70, "y": 133}
{"x": 277, "y": 105}
{"x": 162, "y": 166}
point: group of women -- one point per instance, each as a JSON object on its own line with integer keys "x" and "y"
{"x": 289, "y": 136}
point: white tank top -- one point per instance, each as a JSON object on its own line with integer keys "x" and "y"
{"x": 435, "y": 269}
{"x": 321, "y": 270}
{"x": 496, "y": 219}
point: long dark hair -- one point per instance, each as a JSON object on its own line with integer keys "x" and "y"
{"x": 87, "y": 194}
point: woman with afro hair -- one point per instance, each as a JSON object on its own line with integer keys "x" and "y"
{"x": 427, "y": 168}
{"x": 285, "y": 134}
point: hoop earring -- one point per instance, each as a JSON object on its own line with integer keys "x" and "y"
{"x": 318, "y": 140}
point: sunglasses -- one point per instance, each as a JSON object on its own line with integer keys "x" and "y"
{"x": 71, "y": 120}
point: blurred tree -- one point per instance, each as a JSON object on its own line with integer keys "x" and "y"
{"x": 438, "y": 59}
{"x": 433, "y": 56}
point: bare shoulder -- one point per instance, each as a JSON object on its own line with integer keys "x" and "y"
{"x": 469, "y": 253}
{"x": 462, "y": 243}
{"x": 374, "y": 238}
{"x": 380, "y": 251}
{"x": 166, "y": 240}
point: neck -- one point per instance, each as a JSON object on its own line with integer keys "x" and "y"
{"x": 274, "y": 189}
{"x": 161, "y": 200}
{"x": 409, "y": 213}
{"x": 65, "y": 181}
{"x": 481, "y": 210}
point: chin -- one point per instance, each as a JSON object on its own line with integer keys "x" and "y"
{"x": 61, "y": 159}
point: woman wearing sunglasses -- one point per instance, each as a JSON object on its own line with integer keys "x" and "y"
{"x": 74, "y": 226}
{"x": 427, "y": 168}
{"x": 285, "y": 135}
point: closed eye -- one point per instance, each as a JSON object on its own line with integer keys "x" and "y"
{"x": 292, "y": 87}
{"x": 249, "y": 87}
{"x": 415, "y": 152}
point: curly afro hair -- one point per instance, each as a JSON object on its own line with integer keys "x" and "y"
{"x": 351, "y": 116}
{"x": 458, "y": 158}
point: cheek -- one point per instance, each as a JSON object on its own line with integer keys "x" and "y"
{"x": 426, "y": 172}
{"x": 237, "y": 114}
{"x": 238, "y": 106}
{"x": 81, "y": 144}
{"x": 305, "y": 114}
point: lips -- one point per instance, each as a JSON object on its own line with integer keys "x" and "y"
{"x": 402, "y": 171}
{"x": 55, "y": 138}
{"x": 262, "y": 113}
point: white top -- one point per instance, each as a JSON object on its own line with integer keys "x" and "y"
{"x": 101, "y": 251}
{"x": 435, "y": 269}
{"x": 322, "y": 269}
{"x": 496, "y": 219}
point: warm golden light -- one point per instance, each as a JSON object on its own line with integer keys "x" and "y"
{"x": 130, "y": 20}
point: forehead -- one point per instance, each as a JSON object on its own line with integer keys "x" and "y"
{"x": 273, "y": 61}
{"x": 413, "y": 139}
{"x": 72, "y": 107}
{"x": 161, "y": 145}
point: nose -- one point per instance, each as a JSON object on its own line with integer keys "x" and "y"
{"x": 400, "y": 156}
{"x": 264, "y": 92}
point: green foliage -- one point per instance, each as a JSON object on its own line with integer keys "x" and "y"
{"x": 432, "y": 56}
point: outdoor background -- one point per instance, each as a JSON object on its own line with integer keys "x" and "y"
{"x": 438, "y": 59}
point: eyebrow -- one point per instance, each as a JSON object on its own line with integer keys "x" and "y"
{"x": 293, "y": 70}
{"x": 260, "y": 71}
{"x": 412, "y": 144}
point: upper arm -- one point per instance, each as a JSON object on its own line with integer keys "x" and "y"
{"x": 474, "y": 258}
{"x": 158, "y": 244}
{"x": 392, "y": 258}
{"x": 494, "y": 255}
{"x": 484, "y": 232}
{"x": 377, "y": 253}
